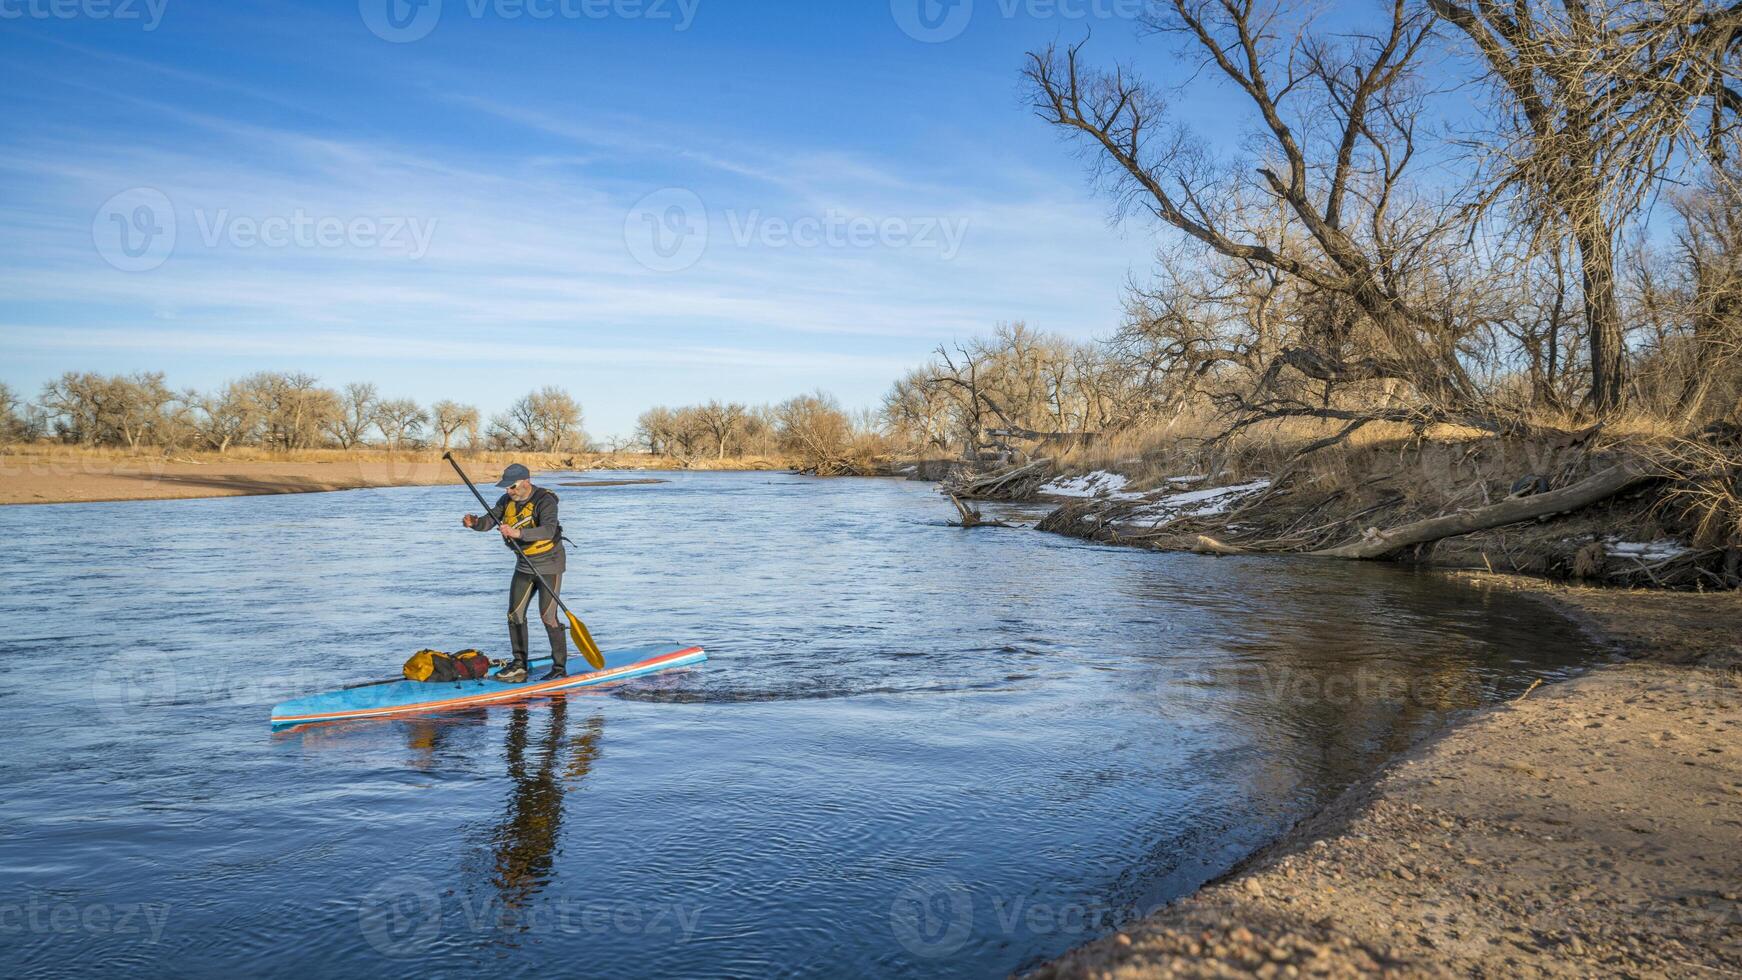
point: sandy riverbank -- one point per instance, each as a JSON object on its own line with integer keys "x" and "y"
{"x": 1588, "y": 829}
{"x": 73, "y": 477}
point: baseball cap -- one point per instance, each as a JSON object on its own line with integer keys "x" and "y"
{"x": 513, "y": 474}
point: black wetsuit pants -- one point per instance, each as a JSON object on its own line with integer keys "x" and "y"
{"x": 519, "y": 598}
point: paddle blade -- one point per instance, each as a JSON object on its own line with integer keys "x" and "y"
{"x": 584, "y": 642}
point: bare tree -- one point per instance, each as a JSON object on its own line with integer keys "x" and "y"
{"x": 450, "y": 418}
{"x": 1709, "y": 243}
{"x": 687, "y": 434}
{"x": 359, "y": 402}
{"x": 11, "y": 424}
{"x": 146, "y": 410}
{"x": 399, "y": 418}
{"x": 722, "y": 422}
{"x": 82, "y": 407}
{"x": 227, "y": 417}
{"x": 817, "y": 433}
{"x": 918, "y": 410}
{"x": 547, "y": 420}
{"x": 655, "y": 428}
{"x": 1017, "y": 386}
{"x": 1537, "y": 320}
{"x": 133, "y": 411}
{"x": 1337, "y": 117}
{"x": 1601, "y": 96}
{"x": 294, "y": 409}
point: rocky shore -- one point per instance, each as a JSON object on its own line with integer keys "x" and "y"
{"x": 1590, "y": 828}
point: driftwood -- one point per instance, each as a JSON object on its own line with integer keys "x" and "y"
{"x": 1375, "y": 543}
{"x": 995, "y": 483}
{"x": 971, "y": 516}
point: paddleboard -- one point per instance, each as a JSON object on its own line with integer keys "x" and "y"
{"x": 412, "y": 697}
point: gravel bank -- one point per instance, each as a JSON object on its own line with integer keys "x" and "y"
{"x": 1592, "y": 828}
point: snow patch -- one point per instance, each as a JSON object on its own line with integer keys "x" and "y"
{"x": 1646, "y": 550}
{"x": 1196, "y": 503}
{"x": 1097, "y": 484}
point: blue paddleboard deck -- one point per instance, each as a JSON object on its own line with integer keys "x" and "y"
{"x": 411, "y": 697}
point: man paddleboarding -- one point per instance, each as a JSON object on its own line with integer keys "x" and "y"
{"x": 528, "y": 515}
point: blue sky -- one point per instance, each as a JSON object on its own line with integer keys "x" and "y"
{"x": 494, "y": 201}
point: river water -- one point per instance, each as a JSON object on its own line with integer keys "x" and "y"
{"x": 914, "y": 750}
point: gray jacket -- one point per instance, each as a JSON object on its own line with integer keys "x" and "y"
{"x": 538, "y": 523}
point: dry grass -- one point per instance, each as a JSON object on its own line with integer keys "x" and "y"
{"x": 1195, "y": 444}
{"x": 1188, "y": 446}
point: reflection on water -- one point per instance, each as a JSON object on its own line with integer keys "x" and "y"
{"x": 915, "y": 750}
{"x": 524, "y": 844}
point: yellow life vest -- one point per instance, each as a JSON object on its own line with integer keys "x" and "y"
{"x": 523, "y": 516}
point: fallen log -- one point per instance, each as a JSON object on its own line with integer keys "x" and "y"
{"x": 1596, "y": 488}
{"x": 1203, "y": 544}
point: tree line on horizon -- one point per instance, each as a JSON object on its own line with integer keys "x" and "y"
{"x": 291, "y": 411}
{"x": 275, "y": 410}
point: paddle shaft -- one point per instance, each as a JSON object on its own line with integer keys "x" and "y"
{"x": 516, "y": 544}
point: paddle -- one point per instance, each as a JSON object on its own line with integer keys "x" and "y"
{"x": 577, "y": 629}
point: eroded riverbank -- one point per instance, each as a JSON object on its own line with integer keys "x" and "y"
{"x": 1588, "y": 828}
